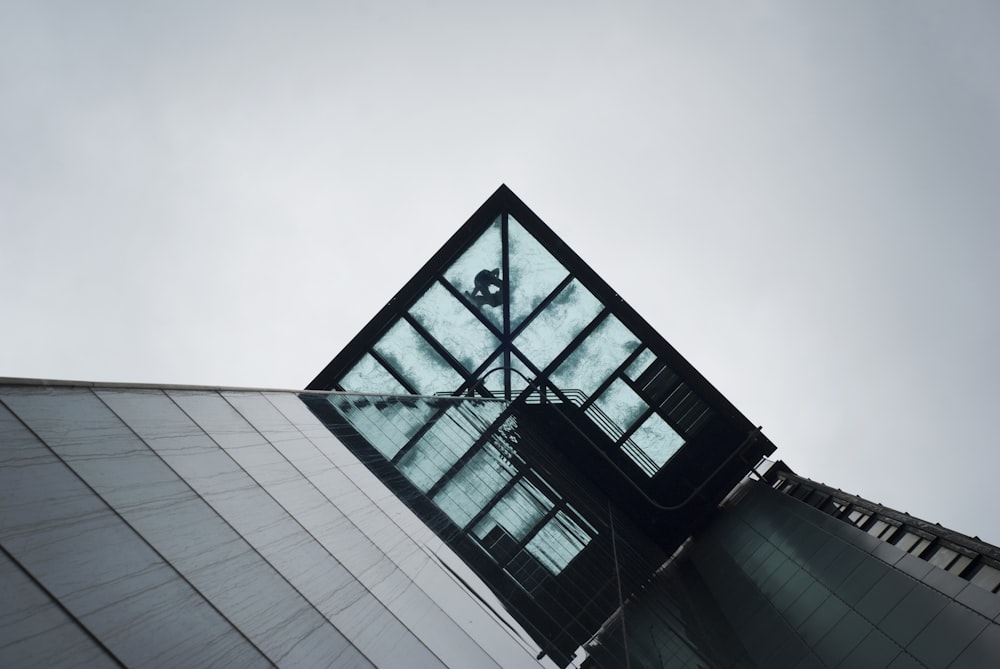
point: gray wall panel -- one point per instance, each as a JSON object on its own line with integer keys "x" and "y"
{"x": 791, "y": 569}
{"x": 270, "y": 503}
{"x": 104, "y": 574}
{"x": 309, "y": 485}
{"x": 36, "y": 632}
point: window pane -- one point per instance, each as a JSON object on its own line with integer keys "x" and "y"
{"x": 484, "y": 254}
{"x": 656, "y": 443}
{"x": 555, "y": 327}
{"x": 369, "y": 376}
{"x": 619, "y": 404}
{"x": 558, "y": 542}
{"x": 515, "y": 513}
{"x": 454, "y": 326}
{"x": 446, "y": 441}
{"x": 534, "y": 273}
{"x": 597, "y": 357}
{"x": 640, "y": 364}
{"x": 385, "y": 423}
{"x": 416, "y": 361}
{"x": 474, "y": 485}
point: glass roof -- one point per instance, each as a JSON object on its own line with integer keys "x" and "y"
{"x": 504, "y": 318}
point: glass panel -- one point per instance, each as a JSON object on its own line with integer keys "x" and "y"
{"x": 534, "y": 273}
{"x": 454, "y": 326}
{"x": 514, "y": 514}
{"x": 657, "y": 442}
{"x": 416, "y": 361}
{"x": 558, "y": 542}
{"x": 640, "y": 364}
{"x": 621, "y": 405}
{"x": 554, "y": 328}
{"x": 385, "y": 423}
{"x": 446, "y": 441}
{"x": 37, "y": 632}
{"x": 369, "y": 376}
{"x": 88, "y": 558}
{"x": 484, "y": 255}
{"x": 474, "y": 485}
{"x": 194, "y": 538}
{"x": 329, "y": 552}
{"x": 596, "y": 358}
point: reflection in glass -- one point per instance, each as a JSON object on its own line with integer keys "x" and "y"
{"x": 474, "y": 485}
{"x": 556, "y": 326}
{"x": 446, "y": 441}
{"x": 558, "y": 542}
{"x": 371, "y": 377}
{"x": 652, "y": 444}
{"x": 454, "y": 326}
{"x": 514, "y": 514}
{"x": 416, "y": 361}
{"x": 386, "y": 423}
{"x": 484, "y": 254}
{"x": 596, "y": 357}
{"x": 534, "y": 273}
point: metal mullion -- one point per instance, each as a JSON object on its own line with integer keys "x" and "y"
{"x": 468, "y": 455}
{"x": 518, "y": 476}
{"x": 549, "y": 515}
{"x": 417, "y": 436}
{"x": 605, "y": 384}
{"x": 475, "y": 376}
{"x": 543, "y": 376}
{"x": 627, "y": 434}
{"x": 392, "y": 371}
{"x": 505, "y": 264}
{"x": 574, "y": 343}
{"x": 541, "y": 307}
{"x": 629, "y": 359}
{"x": 457, "y": 294}
{"x": 438, "y": 347}
{"x": 662, "y": 414}
{"x": 534, "y": 383}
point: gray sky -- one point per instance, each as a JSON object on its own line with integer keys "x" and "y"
{"x": 801, "y": 196}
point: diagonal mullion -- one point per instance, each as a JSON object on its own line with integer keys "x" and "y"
{"x": 457, "y": 294}
{"x": 506, "y": 339}
{"x": 541, "y": 307}
{"x": 477, "y": 376}
{"x": 392, "y": 371}
{"x": 549, "y": 515}
{"x": 419, "y": 434}
{"x": 437, "y": 346}
{"x": 468, "y": 455}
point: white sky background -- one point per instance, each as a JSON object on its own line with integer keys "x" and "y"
{"x": 802, "y": 197}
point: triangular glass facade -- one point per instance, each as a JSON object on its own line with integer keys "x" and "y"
{"x": 535, "y": 422}
{"x": 508, "y": 314}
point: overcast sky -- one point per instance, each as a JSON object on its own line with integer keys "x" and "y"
{"x": 802, "y": 197}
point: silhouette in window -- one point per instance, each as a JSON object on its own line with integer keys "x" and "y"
{"x": 483, "y": 293}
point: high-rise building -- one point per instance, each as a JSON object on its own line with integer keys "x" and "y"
{"x": 507, "y": 467}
